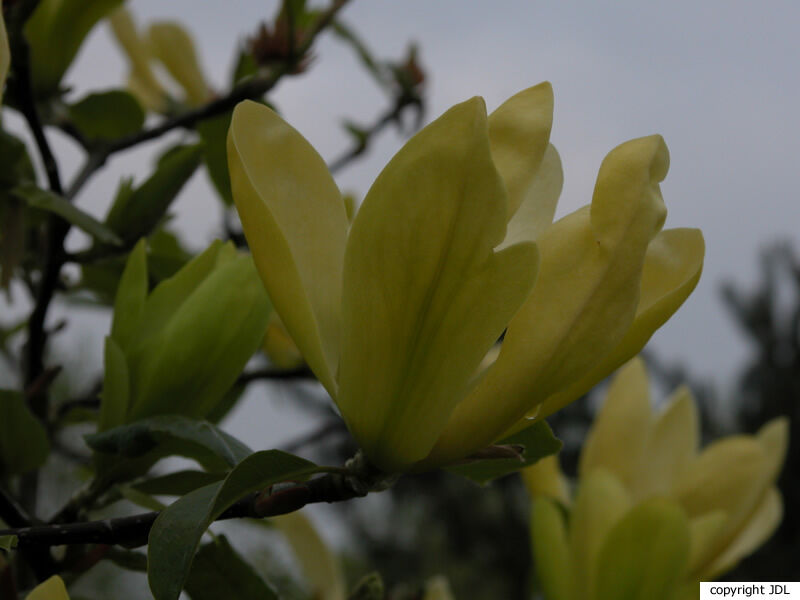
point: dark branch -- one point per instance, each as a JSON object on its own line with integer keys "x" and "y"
{"x": 132, "y": 531}
{"x": 302, "y": 372}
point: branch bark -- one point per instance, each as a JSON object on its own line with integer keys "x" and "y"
{"x": 132, "y": 531}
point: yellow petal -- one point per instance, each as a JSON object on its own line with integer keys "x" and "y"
{"x": 722, "y": 477}
{"x": 545, "y": 478}
{"x": 583, "y": 302}
{"x": 704, "y": 531}
{"x": 424, "y": 295}
{"x": 52, "y": 589}
{"x": 320, "y": 564}
{"x": 551, "y": 550}
{"x": 142, "y": 81}
{"x": 279, "y": 346}
{"x": 535, "y": 214}
{"x": 296, "y": 226}
{"x": 774, "y": 439}
{"x": 519, "y": 131}
{"x": 671, "y": 271}
{"x": 758, "y": 529}
{"x": 5, "y": 52}
{"x": 620, "y": 432}
{"x": 644, "y": 556}
{"x": 671, "y": 446}
{"x": 600, "y": 503}
{"x": 173, "y": 46}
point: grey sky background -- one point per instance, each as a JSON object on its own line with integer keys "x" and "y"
{"x": 719, "y": 80}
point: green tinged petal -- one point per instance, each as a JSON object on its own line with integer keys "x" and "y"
{"x": 644, "y": 556}
{"x": 672, "y": 268}
{"x": 296, "y": 226}
{"x": 51, "y": 589}
{"x": 758, "y": 529}
{"x": 600, "y": 503}
{"x": 173, "y": 46}
{"x": 320, "y": 565}
{"x": 131, "y": 296}
{"x": 620, "y": 432}
{"x": 535, "y": 214}
{"x": 196, "y": 357}
{"x": 519, "y": 131}
{"x": 116, "y": 387}
{"x": 551, "y": 550}
{"x": 583, "y": 303}
{"x": 420, "y": 280}
{"x": 672, "y": 445}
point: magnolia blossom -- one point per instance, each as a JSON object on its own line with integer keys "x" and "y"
{"x": 454, "y": 246}
{"x": 653, "y": 515}
{"x": 166, "y": 42}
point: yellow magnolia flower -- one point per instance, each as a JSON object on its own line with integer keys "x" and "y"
{"x": 52, "y": 589}
{"x": 452, "y": 246}
{"x": 168, "y": 43}
{"x": 652, "y": 514}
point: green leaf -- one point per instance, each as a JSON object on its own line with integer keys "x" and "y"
{"x": 177, "y": 531}
{"x": 136, "y": 213}
{"x": 178, "y": 483}
{"x": 50, "y": 202}
{"x": 214, "y": 133}
{"x": 172, "y": 434}
{"x": 219, "y": 571}
{"x": 8, "y": 542}
{"x": 107, "y": 115}
{"x": 23, "y": 441}
{"x": 538, "y": 441}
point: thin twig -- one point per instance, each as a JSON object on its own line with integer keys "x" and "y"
{"x": 362, "y": 145}
{"x": 132, "y": 531}
{"x": 302, "y": 372}
{"x": 247, "y": 90}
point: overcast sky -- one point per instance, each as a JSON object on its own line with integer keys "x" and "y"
{"x": 719, "y": 80}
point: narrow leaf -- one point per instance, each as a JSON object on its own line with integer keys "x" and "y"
{"x": 177, "y": 531}
{"x": 538, "y": 442}
{"x": 194, "y": 438}
{"x": 50, "y": 202}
